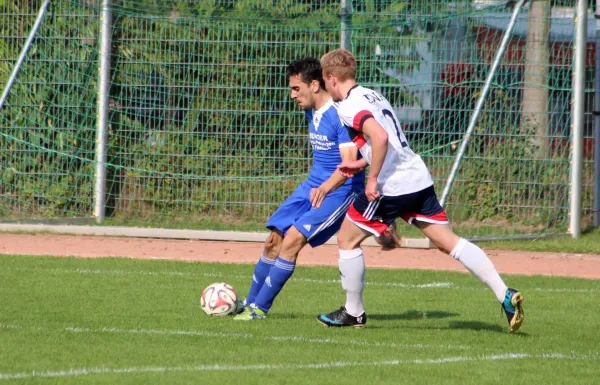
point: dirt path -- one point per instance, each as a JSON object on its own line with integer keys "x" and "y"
{"x": 508, "y": 262}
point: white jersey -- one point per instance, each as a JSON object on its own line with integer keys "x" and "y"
{"x": 403, "y": 171}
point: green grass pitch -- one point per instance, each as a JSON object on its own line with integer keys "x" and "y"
{"x": 122, "y": 321}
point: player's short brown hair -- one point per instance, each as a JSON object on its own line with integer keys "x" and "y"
{"x": 340, "y": 63}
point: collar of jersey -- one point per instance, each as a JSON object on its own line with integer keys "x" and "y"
{"x": 350, "y": 90}
{"x": 325, "y": 107}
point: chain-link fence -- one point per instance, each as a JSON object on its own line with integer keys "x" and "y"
{"x": 202, "y": 132}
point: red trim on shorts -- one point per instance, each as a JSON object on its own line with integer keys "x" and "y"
{"x": 440, "y": 217}
{"x": 360, "y": 118}
{"x": 374, "y": 227}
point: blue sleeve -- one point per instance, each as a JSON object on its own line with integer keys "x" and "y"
{"x": 342, "y": 131}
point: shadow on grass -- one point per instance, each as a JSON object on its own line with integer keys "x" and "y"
{"x": 284, "y": 316}
{"x": 452, "y": 325}
{"x": 482, "y": 326}
{"x": 477, "y": 326}
{"x": 413, "y": 315}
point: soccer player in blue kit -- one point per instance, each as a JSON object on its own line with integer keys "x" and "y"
{"x": 315, "y": 211}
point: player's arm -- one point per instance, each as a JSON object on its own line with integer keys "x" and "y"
{"x": 379, "y": 146}
{"x": 348, "y": 153}
{"x": 353, "y": 167}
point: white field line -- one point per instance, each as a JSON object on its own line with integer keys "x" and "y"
{"x": 2, "y": 326}
{"x": 159, "y": 332}
{"x": 270, "y": 338}
{"x": 432, "y": 285}
{"x": 282, "y": 367}
{"x": 551, "y": 290}
{"x": 246, "y": 336}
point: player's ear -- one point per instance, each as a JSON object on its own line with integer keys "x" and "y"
{"x": 315, "y": 86}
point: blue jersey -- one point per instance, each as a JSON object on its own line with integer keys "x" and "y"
{"x": 327, "y": 136}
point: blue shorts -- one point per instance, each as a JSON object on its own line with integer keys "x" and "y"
{"x": 316, "y": 224}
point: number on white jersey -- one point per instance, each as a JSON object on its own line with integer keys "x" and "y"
{"x": 389, "y": 116}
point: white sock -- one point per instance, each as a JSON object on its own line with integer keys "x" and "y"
{"x": 352, "y": 271}
{"x": 478, "y": 263}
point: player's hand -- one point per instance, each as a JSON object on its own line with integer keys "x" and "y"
{"x": 317, "y": 195}
{"x": 350, "y": 168}
{"x": 347, "y": 173}
{"x": 389, "y": 239}
{"x": 371, "y": 190}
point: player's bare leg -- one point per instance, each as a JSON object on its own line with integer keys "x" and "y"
{"x": 351, "y": 236}
{"x": 273, "y": 244}
{"x": 478, "y": 263}
{"x": 352, "y": 273}
{"x": 293, "y": 242}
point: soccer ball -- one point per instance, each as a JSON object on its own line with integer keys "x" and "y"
{"x": 218, "y": 299}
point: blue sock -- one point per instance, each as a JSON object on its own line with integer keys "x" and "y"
{"x": 278, "y": 276}
{"x": 258, "y": 278}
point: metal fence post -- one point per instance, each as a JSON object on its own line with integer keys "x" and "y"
{"x": 346, "y": 31}
{"x": 596, "y": 204}
{"x": 102, "y": 114}
{"x": 21, "y": 58}
{"x": 577, "y": 118}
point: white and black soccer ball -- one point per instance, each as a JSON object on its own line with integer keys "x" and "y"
{"x": 218, "y": 299}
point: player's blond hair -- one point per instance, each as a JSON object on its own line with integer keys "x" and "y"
{"x": 339, "y": 63}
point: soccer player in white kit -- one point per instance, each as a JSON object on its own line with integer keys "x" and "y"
{"x": 398, "y": 185}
